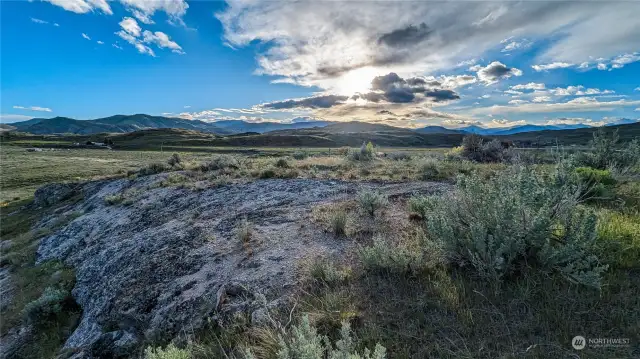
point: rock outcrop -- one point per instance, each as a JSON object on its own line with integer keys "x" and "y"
{"x": 169, "y": 261}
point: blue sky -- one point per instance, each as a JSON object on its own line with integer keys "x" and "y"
{"x": 405, "y": 64}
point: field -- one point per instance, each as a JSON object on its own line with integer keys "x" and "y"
{"x": 504, "y": 262}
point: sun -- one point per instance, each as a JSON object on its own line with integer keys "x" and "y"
{"x": 358, "y": 80}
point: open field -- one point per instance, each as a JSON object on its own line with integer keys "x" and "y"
{"x": 530, "y": 247}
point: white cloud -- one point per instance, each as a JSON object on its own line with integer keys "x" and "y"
{"x": 143, "y": 10}
{"x": 100, "y": 42}
{"x": 516, "y": 45}
{"x": 637, "y": 109}
{"x": 33, "y": 108}
{"x": 602, "y": 66}
{"x": 161, "y": 40}
{"x": 577, "y": 104}
{"x": 529, "y": 86}
{"x": 9, "y": 118}
{"x": 620, "y": 61}
{"x": 38, "y": 21}
{"x": 187, "y": 106}
{"x": 584, "y": 65}
{"x": 319, "y": 43}
{"x": 117, "y": 46}
{"x": 636, "y": 89}
{"x": 133, "y": 34}
{"x": 56, "y": 24}
{"x": 485, "y": 96}
{"x": 579, "y": 90}
{"x": 83, "y": 6}
{"x": 538, "y": 99}
{"x": 552, "y": 66}
{"x": 86, "y": 36}
{"x": 517, "y": 102}
{"x": 131, "y": 26}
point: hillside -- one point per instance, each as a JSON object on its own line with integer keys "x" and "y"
{"x": 131, "y": 123}
{"x": 580, "y": 136}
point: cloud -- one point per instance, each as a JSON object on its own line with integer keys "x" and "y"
{"x": 636, "y": 89}
{"x": 56, "y": 24}
{"x": 538, "y": 99}
{"x": 495, "y": 72}
{"x": 9, "y": 118}
{"x": 117, "y": 46}
{"x": 516, "y": 45}
{"x": 100, "y": 42}
{"x": 38, "y": 21}
{"x": 319, "y": 43}
{"x": 133, "y": 34}
{"x": 529, "y": 86}
{"x": 575, "y": 105}
{"x": 552, "y": 66}
{"x": 578, "y": 90}
{"x": 83, "y": 6}
{"x": 187, "y": 106}
{"x": 161, "y": 40}
{"x": 131, "y": 26}
{"x": 602, "y": 66}
{"x": 323, "y": 101}
{"x": 86, "y": 36}
{"x": 517, "y": 102}
{"x": 625, "y": 59}
{"x": 33, "y": 108}
{"x": 408, "y": 36}
{"x": 143, "y": 10}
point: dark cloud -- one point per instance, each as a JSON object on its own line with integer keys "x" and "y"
{"x": 393, "y": 88}
{"x": 325, "y": 101}
{"x": 386, "y": 112}
{"x": 496, "y": 71}
{"x": 384, "y": 82}
{"x": 408, "y": 36}
{"x": 441, "y": 95}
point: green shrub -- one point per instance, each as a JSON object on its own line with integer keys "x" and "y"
{"x": 114, "y": 199}
{"x": 454, "y": 154}
{"x": 170, "y": 352}
{"x": 384, "y": 257}
{"x": 154, "y": 168}
{"x": 304, "y": 342}
{"x": 324, "y": 271}
{"x": 267, "y": 173}
{"x": 607, "y": 152}
{"x": 282, "y": 163}
{"x": 174, "y": 160}
{"x": 46, "y": 307}
{"x": 371, "y": 201}
{"x": 475, "y": 149}
{"x": 399, "y": 156}
{"x": 517, "y": 219}
{"x": 430, "y": 169}
{"x": 421, "y": 205}
{"x": 300, "y": 155}
{"x": 365, "y": 153}
{"x": 244, "y": 231}
{"x": 595, "y": 183}
{"x": 220, "y": 162}
{"x": 619, "y": 239}
{"x": 338, "y": 219}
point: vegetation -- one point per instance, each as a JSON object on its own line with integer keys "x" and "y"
{"x": 371, "y": 201}
{"x": 532, "y": 252}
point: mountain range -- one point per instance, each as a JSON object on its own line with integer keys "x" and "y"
{"x": 131, "y": 123}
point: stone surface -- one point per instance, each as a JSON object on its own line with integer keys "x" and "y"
{"x": 171, "y": 262}
{"x": 50, "y": 194}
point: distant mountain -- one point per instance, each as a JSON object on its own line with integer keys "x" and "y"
{"x": 436, "y": 129}
{"x": 501, "y": 131}
{"x": 130, "y": 123}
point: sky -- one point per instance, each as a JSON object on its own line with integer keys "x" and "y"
{"x": 402, "y": 63}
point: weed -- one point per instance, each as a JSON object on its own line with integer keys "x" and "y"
{"x": 338, "y": 219}
{"x": 170, "y": 352}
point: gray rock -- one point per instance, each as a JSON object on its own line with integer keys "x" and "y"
{"x": 50, "y": 194}
{"x": 148, "y": 271}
